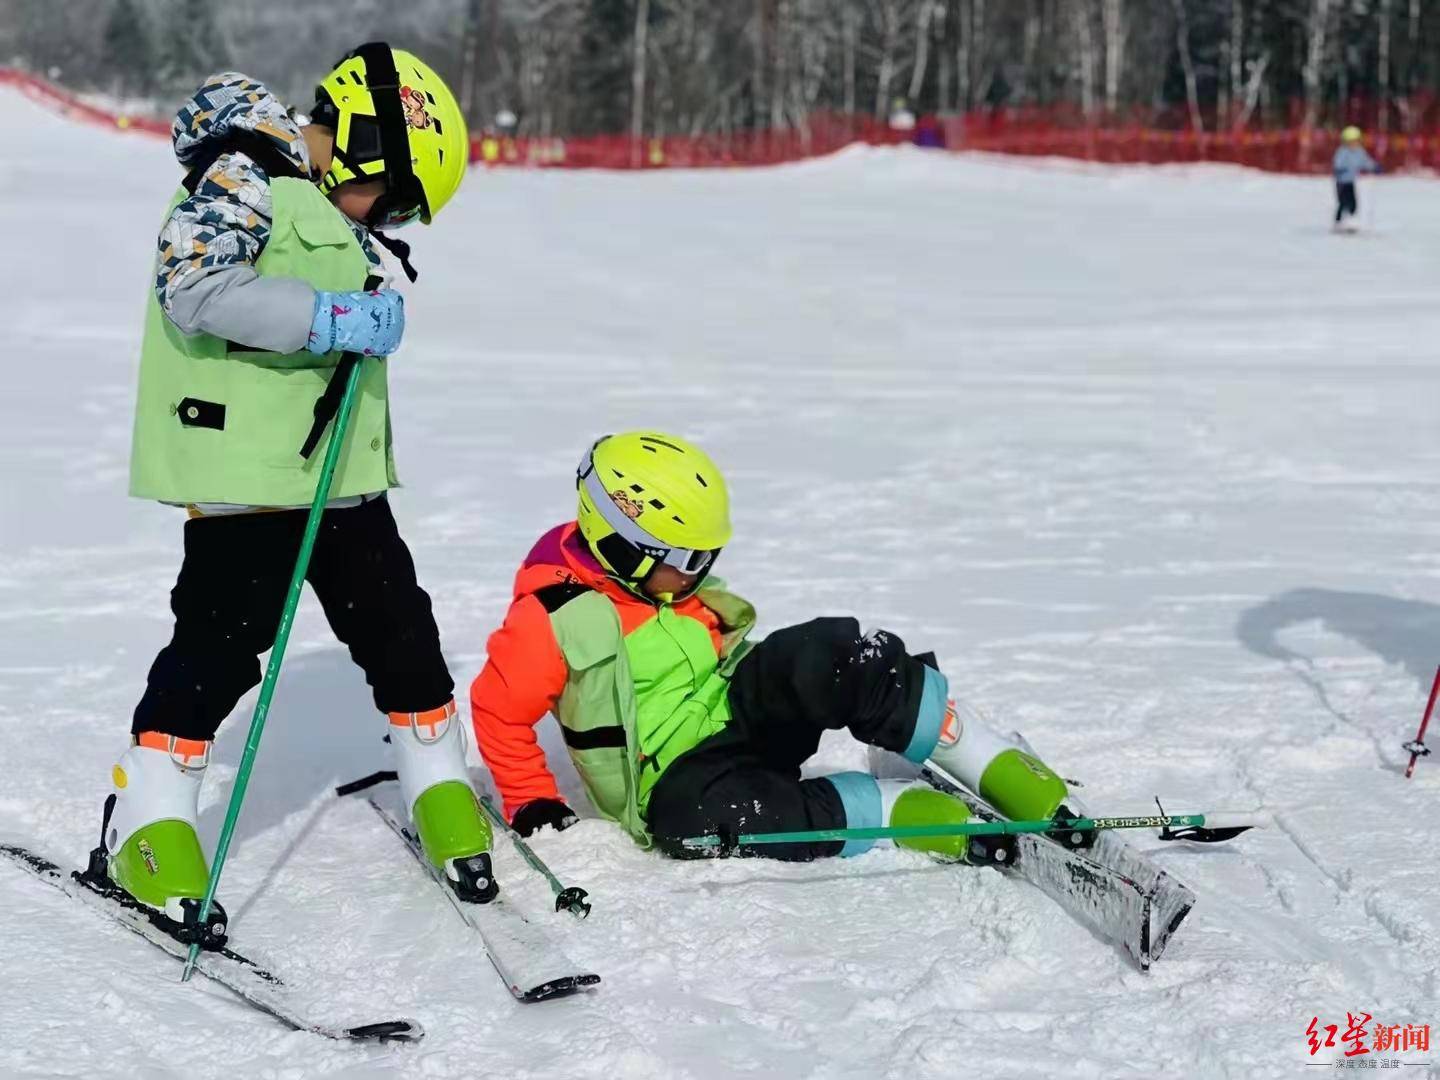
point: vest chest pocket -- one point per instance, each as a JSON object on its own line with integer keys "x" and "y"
{"x": 318, "y": 232}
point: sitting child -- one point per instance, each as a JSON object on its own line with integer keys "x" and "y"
{"x": 679, "y": 725}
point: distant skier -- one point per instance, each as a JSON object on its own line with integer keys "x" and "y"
{"x": 680, "y": 726}
{"x": 902, "y": 117}
{"x": 262, "y": 283}
{"x": 1351, "y": 159}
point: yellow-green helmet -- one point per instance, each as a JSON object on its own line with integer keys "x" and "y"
{"x": 1351, "y": 134}
{"x": 395, "y": 119}
{"x": 648, "y": 498}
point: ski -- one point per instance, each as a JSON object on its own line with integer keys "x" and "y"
{"x": 1109, "y": 886}
{"x": 242, "y": 976}
{"x": 528, "y": 962}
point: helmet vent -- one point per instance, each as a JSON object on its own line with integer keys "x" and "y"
{"x": 438, "y": 131}
{"x": 430, "y": 97}
{"x": 677, "y": 519}
{"x": 637, "y": 488}
{"x": 702, "y": 480}
{"x": 659, "y": 442}
{"x": 657, "y": 504}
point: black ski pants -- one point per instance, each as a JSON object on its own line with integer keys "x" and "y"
{"x": 228, "y": 600}
{"x": 791, "y": 688}
{"x": 1345, "y": 200}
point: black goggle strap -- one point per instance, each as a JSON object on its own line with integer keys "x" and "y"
{"x": 686, "y": 560}
{"x": 383, "y": 82}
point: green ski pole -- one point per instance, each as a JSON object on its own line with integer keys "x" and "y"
{"x": 571, "y": 898}
{"x": 277, "y": 651}
{"x": 1186, "y": 824}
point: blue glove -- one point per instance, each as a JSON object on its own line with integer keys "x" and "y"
{"x": 368, "y": 323}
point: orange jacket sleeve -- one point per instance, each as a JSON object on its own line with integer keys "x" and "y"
{"x": 522, "y": 680}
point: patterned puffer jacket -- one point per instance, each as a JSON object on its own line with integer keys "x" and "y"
{"x": 205, "y": 277}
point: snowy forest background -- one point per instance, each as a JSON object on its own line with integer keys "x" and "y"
{"x": 689, "y": 66}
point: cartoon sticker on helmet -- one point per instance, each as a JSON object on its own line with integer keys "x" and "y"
{"x": 631, "y": 508}
{"x": 415, "y": 113}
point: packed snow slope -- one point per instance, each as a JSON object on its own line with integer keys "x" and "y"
{"x": 1148, "y": 457}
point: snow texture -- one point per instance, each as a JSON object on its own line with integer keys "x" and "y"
{"x": 1147, "y": 456}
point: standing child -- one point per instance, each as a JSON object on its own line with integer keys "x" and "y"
{"x": 677, "y": 724}
{"x": 267, "y": 274}
{"x": 1351, "y": 159}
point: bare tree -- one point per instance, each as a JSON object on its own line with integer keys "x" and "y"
{"x": 1085, "y": 43}
{"x": 1316, "y": 39}
{"x": 922, "y": 48}
{"x": 1187, "y": 65}
{"x": 888, "y": 15}
{"x": 637, "y": 79}
{"x": 1113, "y": 13}
{"x": 1382, "y": 73}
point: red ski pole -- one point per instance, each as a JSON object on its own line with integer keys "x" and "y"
{"x": 1418, "y": 749}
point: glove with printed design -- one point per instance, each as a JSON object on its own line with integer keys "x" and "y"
{"x": 368, "y": 323}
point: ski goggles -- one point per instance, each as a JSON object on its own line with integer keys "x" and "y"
{"x": 693, "y": 561}
{"x": 392, "y": 213}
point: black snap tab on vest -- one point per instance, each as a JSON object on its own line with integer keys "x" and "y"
{"x": 203, "y": 414}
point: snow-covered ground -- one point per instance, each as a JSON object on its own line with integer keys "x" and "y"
{"x": 1148, "y": 457}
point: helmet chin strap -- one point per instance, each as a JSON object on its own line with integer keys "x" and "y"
{"x": 399, "y": 248}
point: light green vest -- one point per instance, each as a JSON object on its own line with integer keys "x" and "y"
{"x": 619, "y": 753}
{"x": 215, "y": 422}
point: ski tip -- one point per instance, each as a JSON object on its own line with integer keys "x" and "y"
{"x": 403, "y": 1030}
{"x": 557, "y": 988}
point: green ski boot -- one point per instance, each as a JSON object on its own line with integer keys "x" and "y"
{"x": 454, "y": 833}
{"x": 913, "y": 803}
{"x": 1018, "y": 784}
{"x": 149, "y": 849}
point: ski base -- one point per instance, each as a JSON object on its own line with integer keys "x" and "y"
{"x": 240, "y": 975}
{"x": 530, "y": 964}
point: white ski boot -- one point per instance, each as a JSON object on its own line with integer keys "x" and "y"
{"x": 453, "y": 831}
{"x": 1016, "y": 783}
{"x": 149, "y": 847}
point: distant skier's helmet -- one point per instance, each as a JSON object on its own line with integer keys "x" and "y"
{"x": 395, "y": 119}
{"x": 648, "y": 498}
{"x": 1351, "y": 134}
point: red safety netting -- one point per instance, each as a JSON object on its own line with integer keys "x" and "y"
{"x": 68, "y": 104}
{"x": 1413, "y": 141}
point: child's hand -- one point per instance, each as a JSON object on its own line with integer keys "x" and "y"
{"x": 538, "y": 813}
{"x": 368, "y": 323}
